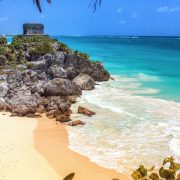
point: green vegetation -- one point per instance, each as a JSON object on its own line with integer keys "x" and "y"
{"x": 83, "y": 55}
{"x": 41, "y": 49}
{"x": 33, "y": 46}
{"x": 2, "y": 40}
{"x": 64, "y": 47}
{"x": 168, "y": 171}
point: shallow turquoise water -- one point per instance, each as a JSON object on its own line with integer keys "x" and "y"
{"x": 138, "y": 114}
{"x": 137, "y": 56}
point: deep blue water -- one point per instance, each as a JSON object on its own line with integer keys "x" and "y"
{"x": 154, "y": 60}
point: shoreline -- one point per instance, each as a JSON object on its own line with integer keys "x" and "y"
{"x": 51, "y": 140}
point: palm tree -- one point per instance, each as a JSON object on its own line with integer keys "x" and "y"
{"x": 93, "y": 4}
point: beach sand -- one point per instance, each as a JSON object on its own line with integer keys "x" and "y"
{"x": 19, "y": 160}
{"x": 51, "y": 140}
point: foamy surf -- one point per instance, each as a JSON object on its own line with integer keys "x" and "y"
{"x": 129, "y": 129}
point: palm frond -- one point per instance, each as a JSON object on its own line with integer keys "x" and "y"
{"x": 94, "y": 4}
{"x": 38, "y": 4}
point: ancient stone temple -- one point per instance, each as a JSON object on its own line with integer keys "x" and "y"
{"x": 32, "y": 29}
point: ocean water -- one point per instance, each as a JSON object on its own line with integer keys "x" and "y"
{"x": 138, "y": 113}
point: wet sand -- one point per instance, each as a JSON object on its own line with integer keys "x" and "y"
{"x": 51, "y": 140}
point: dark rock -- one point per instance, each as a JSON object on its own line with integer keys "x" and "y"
{"x": 72, "y": 99}
{"x": 62, "y": 87}
{"x": 22, "y": 103}
{"x": 40, "y": 109}
{"x": 85, "y": 111}
{"x": 84, "y": 81}
{"x": 31, "y": 29}
{"x": 59, "y": 58}
{"x": 3, "y": 89}
{"x": 53, "y": 113}
{"x": 99, "y": 73}
{"x": 63, "y": 118}
{"x": 2, "y": 60}
{"x": 57, "y": 72}
{"x": 39, "y": 87}
{"x": 76, "y": 123}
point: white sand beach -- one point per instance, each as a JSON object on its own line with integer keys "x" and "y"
{"x": 18, "y": 158}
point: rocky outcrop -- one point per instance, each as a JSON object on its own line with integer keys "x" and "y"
{"x": 48, "y": 78}
{"x": 85, "y": 111}
{"x": 22, "y": 103}
{"x": 57, "y": 72}
{"x": 84, "y": 81}
{"x": 61, "y": 87}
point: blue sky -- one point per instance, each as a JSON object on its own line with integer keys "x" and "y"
{"x": 74, "y": 17}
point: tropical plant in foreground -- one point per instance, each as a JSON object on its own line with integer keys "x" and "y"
{"x": 170, "y": 170}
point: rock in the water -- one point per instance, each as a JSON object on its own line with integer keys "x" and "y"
{"x": 99, "y": 73}
{"x": 84, "y": 81}
{"x": 63, "y": 118}
{"x": 85, "y": 111}
{"x": 76, "y": 123}
{"x": 57, "y": 72}
{"x": 62, "y": 87}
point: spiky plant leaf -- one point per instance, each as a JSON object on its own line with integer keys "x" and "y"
{"x": 136, "y": 175}
{"x": 167, "y": 173}
{"x": 154, "y": 176}
{"x": 69, "y": 177}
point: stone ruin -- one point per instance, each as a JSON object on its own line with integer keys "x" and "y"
{"x": 33, "y": 29}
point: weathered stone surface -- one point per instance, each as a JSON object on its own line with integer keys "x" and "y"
{"x": 63, "y": 118}
{"x": 62, "y": 87}
{"x": 39, "y": 87}
{"x": 57, "y": 72}
{"x": 22, "y": 103}
{"x": 32, "y": 29}
{"x": 3, "y": 89}
{"x": 76, "y": 123}
{"x": 85, "y": 111}
{"x": 84, "y": 81}
{"x": 40, "y": 109}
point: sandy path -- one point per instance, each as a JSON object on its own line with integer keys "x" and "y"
{"x": 52, "y": 141}
{"x": 19, "y": 160}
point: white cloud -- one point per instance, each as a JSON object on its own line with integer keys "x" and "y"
{"x": 119, "y": 10}
{"x": 135, "y": 14}
{"x": 3, "y": 19}
{"x": 166, "y": 9}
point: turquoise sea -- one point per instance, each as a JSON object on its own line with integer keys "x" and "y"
{"x": 138, "y": 113}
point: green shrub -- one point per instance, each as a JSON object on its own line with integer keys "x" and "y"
{"x": 3, "y": 50}
{"x": 84, "y": 55}
{"x": 42, "y": 49}
{"x": 164, "y": 173}
{"x": 3, "y": 40}
{"x": 20, "y": 39}
{"x": 64, "y": 47}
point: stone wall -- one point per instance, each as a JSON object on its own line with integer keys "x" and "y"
{"x": 32, "y": 29}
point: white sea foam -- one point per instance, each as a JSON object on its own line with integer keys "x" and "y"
{"x": 129, "y": 129}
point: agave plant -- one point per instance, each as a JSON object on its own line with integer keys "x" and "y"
{"x": 170, "y": 172}
{"x": 93, "y": 4}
